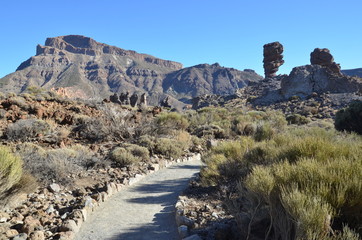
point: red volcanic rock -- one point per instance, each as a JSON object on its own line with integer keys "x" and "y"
{"x": 273, "y": 58}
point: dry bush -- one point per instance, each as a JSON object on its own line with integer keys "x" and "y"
{"x": 56, "y": 164}
{"x": 27, "y": 129}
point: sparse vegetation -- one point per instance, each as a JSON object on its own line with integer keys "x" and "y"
{"x": 27, "y": 129}
{"x": 309, "y": 180}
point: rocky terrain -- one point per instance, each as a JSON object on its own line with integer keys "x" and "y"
{"x": 80, "y": 67}
{"x": 321, "y": 81}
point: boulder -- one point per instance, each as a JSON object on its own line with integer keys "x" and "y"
{"x": 114, "y": 98}
{"x": 310, "y": 79}
{"x": 323, "y": 57}
{"x": 273, "y": 58}
{"x": 54, "y": 187}
{"x": 37, "y": 235}
{"x": 30, "y": 224}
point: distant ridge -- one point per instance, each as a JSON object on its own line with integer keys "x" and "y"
{"x": 97, "y": 70}
{"x": 357, "y": 72}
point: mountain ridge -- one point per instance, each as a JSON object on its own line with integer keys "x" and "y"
{"x": 99, "y": 70}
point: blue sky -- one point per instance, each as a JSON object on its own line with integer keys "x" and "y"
{"x": 230, "y": 32}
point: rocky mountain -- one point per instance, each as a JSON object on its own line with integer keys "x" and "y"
{"x": 82, "y": 67}
{"x": 207, "y": 79}
{"x": 357, "y": 72}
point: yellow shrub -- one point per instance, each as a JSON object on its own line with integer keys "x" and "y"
{"x": 10, "y": 169}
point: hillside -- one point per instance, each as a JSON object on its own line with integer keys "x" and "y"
{"x": 357, "y": 72}
{"x": 85, "y": 68}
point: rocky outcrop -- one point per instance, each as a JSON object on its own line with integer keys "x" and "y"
{"x": 273, "y": 58}
{"x": 84, "y": 45}
{"x": 324, "y": 58}
{"x": 207, "y": 79}
{"x": 143, "y": 100}
{"x": 134, "y": 99}
{"x": 81, "y": 67}
{"x": 305, "y": 80}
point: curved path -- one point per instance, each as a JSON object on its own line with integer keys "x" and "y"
{"x": 144, "y": 210}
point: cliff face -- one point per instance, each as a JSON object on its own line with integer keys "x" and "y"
{"x": 97, "y": 70}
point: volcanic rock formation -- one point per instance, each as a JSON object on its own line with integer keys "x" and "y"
{"x": 305, "y": 80}
{"x": 96, "y": 70}
{"x": 324, "y": 58}
{"x": 273, "y": 58}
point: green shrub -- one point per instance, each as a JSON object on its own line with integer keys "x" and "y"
{"x": 122, "y": 157}
{"x": 138, "y": 151}
{"x": 168, "y": 121}
{"x": 313, "y": 194}
{"x": 148, "y": 142}
{"x": 209, "y": 131}
{"x": 27, "y": 129}
{"x": 309, "y": 180}
{"x": 170, "y": 148}
{"x": 350, "y": 118}
{"x": 225, "y": 162}
{"x": 10, "y": 170}
{"x": 297, "y": 119}
{"x": 264, "y": 131}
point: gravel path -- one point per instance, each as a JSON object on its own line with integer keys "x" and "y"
{"x": 144, "y": 210}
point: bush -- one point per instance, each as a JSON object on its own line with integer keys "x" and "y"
{"x": 138, "y": 151}
{"x": 170, "y": 148}
{"x": 92, "y": 129}
{"x": 55, "y": 164}
{"x": 27, "y": 129}
{"x": 297, "y": 119}
{"x": 309, "y": 180}
{"x": 123, "y": 157}
{"x": 350, "y": 118}
{"x": 168, "y": 121}
{"x": 313, "y": 195}
{"x": 225, "y": 162}
{"x": 264, "y": 131}
{"x": 148, "y": 142}
{"x": 10, "y": 170}
{"x": 210, "y": 131}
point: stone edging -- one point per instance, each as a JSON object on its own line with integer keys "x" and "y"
{"x": 71, "y": 227}
{"x": 70, "y": 222}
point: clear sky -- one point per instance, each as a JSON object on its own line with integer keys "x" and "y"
{"x": 230, "y": 32}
